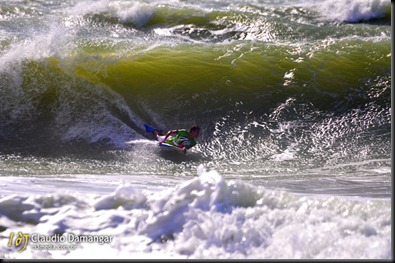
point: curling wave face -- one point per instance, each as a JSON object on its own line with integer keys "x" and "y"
{"x": 266, "y": 82}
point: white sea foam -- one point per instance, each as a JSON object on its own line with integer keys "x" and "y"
{"x": 202, "y": 217}
{"x": 353, "y": 10}
{"x": 86, "y": 7}
{"x": 138, "y": 14}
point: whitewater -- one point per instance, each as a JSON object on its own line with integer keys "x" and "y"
{"x": 293, "y": 99}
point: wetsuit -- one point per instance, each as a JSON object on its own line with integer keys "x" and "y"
{"x": 182, "y": 137}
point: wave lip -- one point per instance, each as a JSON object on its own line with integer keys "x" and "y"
{"x": 355, "y": 10}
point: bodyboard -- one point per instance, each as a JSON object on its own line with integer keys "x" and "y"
{"x": 167, "y": 146}
{"x": 162, "y": 145}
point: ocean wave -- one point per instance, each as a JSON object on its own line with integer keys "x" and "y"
{"x": 355, "y": 10}
{"x": 234, "y": 22}
{"x": 291, "y": 95}
{"x": 98, "y": 72}
{"x": 250, "y": 94}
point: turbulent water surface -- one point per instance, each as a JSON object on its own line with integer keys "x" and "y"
{"x": 293, "y": 99}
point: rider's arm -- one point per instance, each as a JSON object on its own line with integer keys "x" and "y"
{"x": 168, "y": 134}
